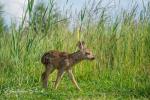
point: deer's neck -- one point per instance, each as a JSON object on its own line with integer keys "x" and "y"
{"x": 76, "y": 57}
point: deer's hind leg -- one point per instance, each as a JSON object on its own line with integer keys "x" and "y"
{"x": 48, "y": 70}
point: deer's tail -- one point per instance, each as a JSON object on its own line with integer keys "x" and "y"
{"x": 45, "y": 59}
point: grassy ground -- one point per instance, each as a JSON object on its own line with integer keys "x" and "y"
{"x": 121, "y": 69}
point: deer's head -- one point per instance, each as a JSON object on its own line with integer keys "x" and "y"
{"x": 85, "y": 52}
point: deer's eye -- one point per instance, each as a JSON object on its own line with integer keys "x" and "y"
{"x": 87, "y": 53}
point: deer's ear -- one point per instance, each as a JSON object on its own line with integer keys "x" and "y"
{"x": 81, "y": 45}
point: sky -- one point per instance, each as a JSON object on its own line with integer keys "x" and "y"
{"x": 13, "y": 9}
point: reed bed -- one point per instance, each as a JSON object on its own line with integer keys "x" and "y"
{"x": 121, "y": 45}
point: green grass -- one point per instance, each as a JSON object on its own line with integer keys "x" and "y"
{"x": 121, "y": 69}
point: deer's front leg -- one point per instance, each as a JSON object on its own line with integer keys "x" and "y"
{"x": 59, "y": 77}
{"x": 71, "y": 76}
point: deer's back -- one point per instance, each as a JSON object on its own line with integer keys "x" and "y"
{"x": 53, "y": 57}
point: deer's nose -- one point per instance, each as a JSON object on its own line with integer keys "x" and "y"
{"x": 92, "y": 58}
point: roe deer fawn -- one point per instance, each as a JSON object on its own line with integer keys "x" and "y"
{"x": 63, "y": 62}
